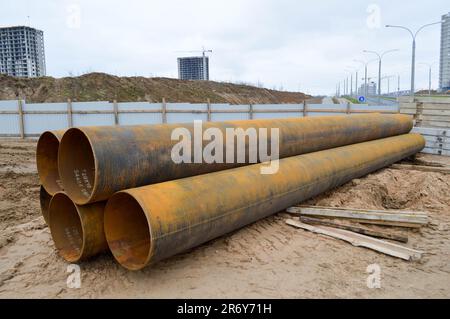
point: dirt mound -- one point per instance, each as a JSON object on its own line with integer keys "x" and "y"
{"x": 105, "y": 87}
{"x": 392, "y": 189}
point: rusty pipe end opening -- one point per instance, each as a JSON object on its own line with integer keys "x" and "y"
{"x": 47, "y": 162}
{"x": 127, "y": 231}
{"x": 66, "y": 228}
{"x": 77, "y": 166}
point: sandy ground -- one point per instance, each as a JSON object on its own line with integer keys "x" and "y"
{"x": 267, "y": 259}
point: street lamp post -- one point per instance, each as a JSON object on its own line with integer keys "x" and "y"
{"x": 380, "y": 58}
{"x": 430, "y": 65}
{"x": 365, "y": 63}
{"x": 351, "y": 69}
{"x": 414, "y": 36}
{"x": 351, "y": 84}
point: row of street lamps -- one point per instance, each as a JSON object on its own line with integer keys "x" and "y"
{"x": 380, "y": 56}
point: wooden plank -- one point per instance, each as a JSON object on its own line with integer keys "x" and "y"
{"x": 435, "y": 118}
{"x": 379, "y": 218}
{"x": 431, "y": 131}
{"x": 164, "y": 111}
{"x": 208, "y": 108}
{"x": 408, "y": 111}
{"x": 360, "y": 240}
{"x": 435, "y": 151}
{"x": 408, "y": 105}
{"x": 9, "y": 112}
{"x": 69, "y": 113}
{"x": 435, "y": 124}
{"x": 444, "y": 113}
{"x": 444, "y": 170}
{"x": 21, "y": 118}
{"x": 116, "y": 112}
{"x": 359, "y": 230}
{"x": 433, "y": 100}
{"x": 382, "y": 211}
{"x": 436, "y": 106}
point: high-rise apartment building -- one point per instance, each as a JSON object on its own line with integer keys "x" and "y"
{"x": 22, "y": 52}
{"x": 193, "y": 68}
{"x": 444, "y": 69}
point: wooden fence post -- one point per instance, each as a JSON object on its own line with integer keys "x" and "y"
{"x": 21, "y": 118}
{"x": 208, "y": 105}
{"x": 250, "y": 110}
{"x": 305, "y": 109}
{"x": 116, "y": 112}
{"x": 69, "y": 113}
{"x": 164, "y": 110}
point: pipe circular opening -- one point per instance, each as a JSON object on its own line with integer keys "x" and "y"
{"x": 127, "y": 231}
{"x": 66, "y": 227}
{"x": 47, "y": 162}
{"x": 77, "y": 168}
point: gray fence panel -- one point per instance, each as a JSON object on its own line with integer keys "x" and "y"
{"x": 35, "y": 124}
{"x": 361, "y": 107}
{"x": 186, "y": 117}
{"x": 92, "y": 119}
{"x": 312, "y": 114}
{"x": 298, "y": 108}
{"x": 242, "y": 112}
{"x": 262, "y": 107}
{"x": 9, "y": 105}
{"x": 341, "y": 107}
{"x": 139, "y": 118}
{"x": 9, "y": 123}
{"x": 276, "y": 115}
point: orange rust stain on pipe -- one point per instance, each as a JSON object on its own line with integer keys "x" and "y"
{"x": 77, "y": 231}
{"x": 47, "y": 160}
{"x": 96, "y": 162}
{"x": 147, "y": 224}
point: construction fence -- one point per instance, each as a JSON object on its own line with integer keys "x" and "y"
{"x": 21, "y": 119}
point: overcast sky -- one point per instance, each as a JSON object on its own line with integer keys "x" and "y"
{"x": 296, "y": 45}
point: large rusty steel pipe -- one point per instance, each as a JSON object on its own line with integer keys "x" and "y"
{"x": 146, "y": 224}
{"x": 96, "y": 162}
{"x": 44, "y": 201}
{"x": 77, "y": 231}
{"x": 47, "y": 160}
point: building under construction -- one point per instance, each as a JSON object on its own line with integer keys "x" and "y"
{"x": 193, "y": 68}
{"x": 22, "y": 52}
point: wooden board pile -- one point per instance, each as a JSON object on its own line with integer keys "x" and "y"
{"x": 347, "y": 224}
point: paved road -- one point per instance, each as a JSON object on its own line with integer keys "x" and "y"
{"x": 376, "y": 101}
{"x": 327, "y": 100}
{"x": 343, "y": 101}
